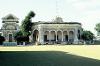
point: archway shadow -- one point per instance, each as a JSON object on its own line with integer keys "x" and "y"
{"x": 44, "y": 58}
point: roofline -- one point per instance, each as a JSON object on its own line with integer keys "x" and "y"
{"x": 10, "y": 21}
{"x": 57, "y": 23}
{"x": 8, "y": 15}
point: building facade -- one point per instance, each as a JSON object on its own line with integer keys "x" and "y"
{"x": 56, "y": 32}
{"x": 9, "y": 27}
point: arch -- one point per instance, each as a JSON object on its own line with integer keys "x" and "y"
{"x": 10, "y": 27}
{"x": 35, "y": 36}
{"x": 65, "y": 36}
{"x": 46, "y": 36}
{"x": 79, "y": 35}
{"x": 71, "y": 36}
{"x": 59, "y": 36}
{"x": 10, "y": 35}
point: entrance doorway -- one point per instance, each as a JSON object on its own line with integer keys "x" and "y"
{"x": 10, "y": 37}
{"x": 45, "y": 38}
{"x": 36, "y": 36}
{"x": 66, "y": 38}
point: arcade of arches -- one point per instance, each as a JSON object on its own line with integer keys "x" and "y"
{"x": 51, "y": 37}
{"x": 56, "y": 32}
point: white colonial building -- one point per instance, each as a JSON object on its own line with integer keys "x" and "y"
{"x": 56, "y": 31}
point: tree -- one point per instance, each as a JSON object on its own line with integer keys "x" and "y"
{"x": 97, "y": 28}
{"x": 27, "y": 24}
{"x": 17, "y": 34}
{"x": 20, "y": 38}
{"x": 87, "y": 36}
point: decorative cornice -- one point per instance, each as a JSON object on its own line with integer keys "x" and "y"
{"x": 56, "y": 23}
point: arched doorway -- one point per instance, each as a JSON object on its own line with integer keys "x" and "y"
{"x": 59, "y": 36}
{"x": 65, "y": 36}
{"x": 35, "y": 36}
{"x": 79, "y": 35}
{"x": 10, "y": 37}
{"x": 46, "y": 36}
{"x": 71, "y": 37}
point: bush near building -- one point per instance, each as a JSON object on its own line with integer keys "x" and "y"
{"x": 21, "y": 39}
{"x": 2, "y": 39}
{"x": 87, "y": 36}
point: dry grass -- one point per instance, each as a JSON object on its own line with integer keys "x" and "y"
{"x": 50, "y": 55}
{"x": 90, "y": 51}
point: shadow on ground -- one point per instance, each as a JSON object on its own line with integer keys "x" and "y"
{"x": 44, "y": 58}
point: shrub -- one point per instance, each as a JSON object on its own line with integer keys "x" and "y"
{"x": 2, "y": 39}
{"x": 22, "y": 39}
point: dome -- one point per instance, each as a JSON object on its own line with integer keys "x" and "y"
{"x": 58, "y": 19}
{"x": 10, "y": 18}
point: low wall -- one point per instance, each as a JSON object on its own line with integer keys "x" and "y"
{"x": 10, "y": 43}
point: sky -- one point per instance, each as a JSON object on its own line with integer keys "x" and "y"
{"x": 86, "y": 12}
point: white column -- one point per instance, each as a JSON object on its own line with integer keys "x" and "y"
{"x": 62, "y": 36}
{"x": 75, "y": 36}
{"x": 56, "y": 36}
{"x": 24, "y": 43}
{"x": 41, "y": 39}
{"x": 49, "y": 36}
{"x": 41, "y": 34}
{"x": 31, "y": 37}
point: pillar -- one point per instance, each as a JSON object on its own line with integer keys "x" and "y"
{"x": 62, "y": 36}
{"x": 32, "y": 36}
{"x": 68, "y": 35}
{"x": 75, "y": 36}
{"x": 56, "y": 36}
{"x": 41, "y": 39}
{"x": 41, "y": 34}
{"x": 49, "y": 36}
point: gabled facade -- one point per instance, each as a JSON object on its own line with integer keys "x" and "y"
{"x": 10, "y": 27}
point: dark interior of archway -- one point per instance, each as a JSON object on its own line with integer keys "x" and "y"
{"x": 10, "y": 37}
{"x": 79, "y": 36}
{"x": 35, "y": 35}
{"x": 66, "y": 37}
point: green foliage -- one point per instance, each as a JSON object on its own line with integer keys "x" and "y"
{"x": 87, "y": 36}
{"x": 27, "y": 24}
{"x": 20, "y": 38}
{"x": 97, "y": 28}
{"x": 19, "y": 33}
{"x": 0, "y": 34}
{"x": 31, "y": 14}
